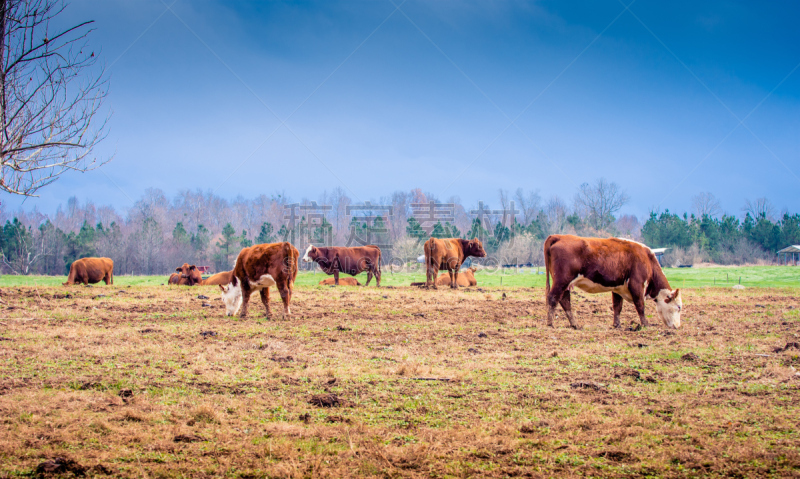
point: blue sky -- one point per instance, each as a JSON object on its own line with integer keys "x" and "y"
{"x": 384, "y": 99}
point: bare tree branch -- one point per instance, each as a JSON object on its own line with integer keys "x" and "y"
{"x": 706, "y": 204}
{"x": 51, "y": 92}
{"x": 597, "y": 203}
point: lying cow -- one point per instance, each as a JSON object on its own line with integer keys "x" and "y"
{"x": 216, "y": 279}
{"x": 465, "y": 278}
{"x": 448, "y": 254}
{"x": 91, "y": 270}
{"x": 342, "y": 282}
{"x": 186, "y": 275}
{"x": 257, "y": 268}
{"x": 626, "y": 269}
{"x": 339, "y": 259}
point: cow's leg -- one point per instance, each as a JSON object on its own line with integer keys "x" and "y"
{"x": 434, "y": 272}
{"x": 265, "y": 300}
{"x": 286, "y": 297}
{"x": 553, "y": 298}
{"x": 616, "y": 302}
{"x": 369, "y": 276}
{"x": 378, "y": 274}
{"x": 336, "y": 277}
{"x": 566, "y": 304}
{"x": 245, "y": 299}
{"x": 637, "y": 294}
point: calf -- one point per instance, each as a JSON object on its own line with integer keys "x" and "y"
{"x": 342, "y": 282}
{"x": 186, "y": 275}
{"x": 216, "y": 279}
{"x": 465, "y": 278}
{"x": 91, "y": 270}
{"x": 339, "y": 259}
{"x": 626, "y": 269}
{"x": 449, "y": 254}
{"x": 257, "y": 268}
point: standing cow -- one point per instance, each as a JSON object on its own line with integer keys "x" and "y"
{"x": 449, "y": 254}
{"x": 186, "y": 275}
{"x": 257, "y": 268}
{"x": 91, "y": 270}
{"x": 338, "y": 259}
{"x": 626, "y": 269}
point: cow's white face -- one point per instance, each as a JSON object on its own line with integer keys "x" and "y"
{"x": 308, "y": 250}
{"x": 232, "y": 297}
{"x": 668, "y": 307}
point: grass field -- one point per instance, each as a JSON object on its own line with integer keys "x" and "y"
{"x": 753, "y": 276}
{"x": 149, "y": 381}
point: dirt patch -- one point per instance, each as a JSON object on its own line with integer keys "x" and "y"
{"x": 326, "y": 400}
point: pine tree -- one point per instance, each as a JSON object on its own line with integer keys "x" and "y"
{"x": 266, "y": 236}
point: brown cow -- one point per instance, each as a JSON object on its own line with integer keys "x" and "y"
{"x": 91, "y": 270}
{"x": 342, "y": 282}
{"x": 186, "y": 275}
{"x": 257, "y": 268}
{"x": 626, "y": 269}
{"x": 352, "y": 261}
{"x": 449, "y": 254}
{"x": 465, "y": 278}
{"x": 216, "y": 279}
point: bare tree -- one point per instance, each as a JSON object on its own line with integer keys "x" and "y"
{"x": 528, "y": 203}
{"x": 706, "y": 204}
{"x": 556, "y": 213}
{"x": 50, "y": 96}
{"x": 597, "y": 203}
{"x": 759, "y": 207}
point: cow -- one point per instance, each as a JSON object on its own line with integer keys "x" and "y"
{"x": 448, "y": 254}
{"x": 465, "y": 278}
{"x": 342, "y": 282}
{"x": 339, "y": 259}
{"x": 257, "y": 268}
{"x": 216, "y": 279}
{"x": 186, "y": 275}
{"x": 626, "y": 269}
{"x": 91, "y": 270}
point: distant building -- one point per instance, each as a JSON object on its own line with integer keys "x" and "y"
{"x": 791, "y": 254}
{"x": 659, "y": 252}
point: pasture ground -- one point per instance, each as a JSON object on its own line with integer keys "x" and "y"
{"x": 153, "y": 381}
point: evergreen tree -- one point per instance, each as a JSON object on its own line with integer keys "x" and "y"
{"x": 179, "y": 234}
{"x": 414, "y": 230}
{"x": 245, "y": 243}
{"x": 266, "y": 236}
{"x": 225, "y": 247}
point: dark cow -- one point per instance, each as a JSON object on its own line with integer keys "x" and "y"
{"x": 342, "y": 282}
{"x": 449, "y": 254}
{"x": 257, "y": 268}
{"x": 626, "y": 269}
{"x": 216, "y": 279}
{"x": 91, "y": 270}
{"x": 338, "y": 259}
{"x": 186, "y": 275}
{"x": 466, "y": 277}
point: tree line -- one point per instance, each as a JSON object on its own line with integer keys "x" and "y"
{"x": 157, "y": 233}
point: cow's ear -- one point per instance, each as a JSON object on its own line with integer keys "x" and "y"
{"x": 178, "y": 269}
{"x": 192, "y": 267}
{"x": 672, "y": 296}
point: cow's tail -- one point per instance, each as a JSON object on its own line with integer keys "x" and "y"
{"x": 547, "y": 244}
{"x": 292, "y": 256}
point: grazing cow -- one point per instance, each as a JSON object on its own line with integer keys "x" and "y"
{"x": 465, "y": 278}
{"x": 91, "y": 270}
{"x": 216, "y": 279}
{"x": 449, "y": 254}
{"x": 257, "y": 268}
{"x": 186, "y": 275}
{"x": 342, "y": 282}
{"x": 626, "y": 269}
{"x": 339, "y": 259}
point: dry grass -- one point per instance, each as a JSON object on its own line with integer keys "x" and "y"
{"x": 120, "y": 382}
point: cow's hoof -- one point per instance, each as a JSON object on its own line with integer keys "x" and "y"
{"x": 576, "y": 327}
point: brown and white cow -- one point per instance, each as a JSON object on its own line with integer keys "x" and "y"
{"x": 342, "y": 282}
{"x": 217, "y": 279}
{"x": 466, "y": 278}
{"x": 339, "y": 259}
{"x": 626, "y": 269}
{"x": 257, "y": 269}
{"x": 449, "y": 254}
{"x": 91, "y": 270}
{"x": 186, "y": 275}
